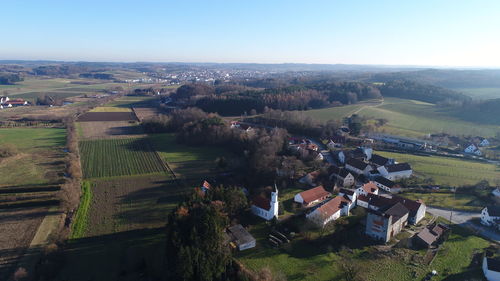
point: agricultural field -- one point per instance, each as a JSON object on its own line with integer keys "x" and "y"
{"x": 119, "y": 157}
{"x": 480, "y": 93}
{"x": 132, "y": 101}
{"x": 107, "y": 116}
{"x": 110, "y": 109}
{"x": 448, "y": 171}
{"x": 143, "y": 113}
{"x": 39, "y": 158}
{"x": 104, "y": 130}
{"x": 411, "y": 118}
{"x": 319, "y": 259}
{"x": 131, "y": 203}
{"x": 188, "y": 161}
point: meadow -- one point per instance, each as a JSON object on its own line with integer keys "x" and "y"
{"x": 119, "y": 157}
{"x": 189, "y": 161}
{"x": 412, "y": 118}
{"x": 319, "y": 259}
{"x": 448, "y": 200}
{"x": 480, "y": 93}
{"x": 39, "y": 158}
{"x": 448, "y": 171}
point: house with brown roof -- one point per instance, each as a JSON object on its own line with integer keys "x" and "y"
{"x": 430, "y": 236}
{"x": 387, "y": 222}
{"x": 367, "y": 188}
{"x": 312, "y": 196}
{"x": 310, "y": 178}
{"x": 330, "y": 211}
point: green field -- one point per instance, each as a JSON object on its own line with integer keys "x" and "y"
{"x": 80, "y": 222}
{"x": 39, "y": 157}
{"x": 119, "y": 157}
{"x": 459, "y": 201}
{"x": 130, "y": 101}
{"x": 110, "y": 109}
{"x": 414, "y": 118}
{"x": 448, "y": 171}
{"x": 188, "y": 161}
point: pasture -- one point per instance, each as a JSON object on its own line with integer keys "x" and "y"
{"x": 188, "y": 161}
{"x": 459, "y": 201}
{"x": 448, "y": 171}
{"x": 412, "y": 118}
{"x": 119, "y": 157}
{"x": 480, "y": 93}
{"x": 39, "y": 159}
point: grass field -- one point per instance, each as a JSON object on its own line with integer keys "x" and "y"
{"x": 465, "y": 202}
{"x": 80, "y": 223}
{"x": 39, "y": 158}
{"x": 448, "y": 171}
{"x": 110, "y": 109}
{"x": 119, "y": 157}
{"x": 131, "y": 101}
{"x": 188, "y": 161}
{"x": 413, "y": 118}
{"x": 480, "y": 93}
{"x": 318, "y": 260}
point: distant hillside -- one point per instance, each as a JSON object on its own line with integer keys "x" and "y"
{"x": 417, "y": 91}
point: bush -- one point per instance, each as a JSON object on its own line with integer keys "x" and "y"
{"x": 7, "y": 150}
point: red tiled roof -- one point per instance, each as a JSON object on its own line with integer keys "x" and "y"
{"x": 261, "y": 202}
{"x": 314, "y": 194}
{"x": 207, "y": 185}
{"x": 370, "y": 187}
{"x": 331, "y": 207}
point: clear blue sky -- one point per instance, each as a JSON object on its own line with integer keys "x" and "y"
{"x": 416, "y": 32}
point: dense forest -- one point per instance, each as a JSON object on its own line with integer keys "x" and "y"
{"x": 422, "y": 92}
{"x": 96, "y": 75}
{"x": 240, "y": 99}
{"x": 9, "y": 79}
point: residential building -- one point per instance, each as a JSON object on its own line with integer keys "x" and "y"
{"x": 240, "y": 238}
{"x": 312, "y": 196}
{"x": 490, "y": 216}
{"x": 376, "y": 202}
{"x": 349, "y": 194}
{"x": 430, "y": 236}
{"x": 386, "y": 223}
{"x": 346, "y": 178}
{"x": 310, "y": 178}
{"x": 396, "y": 171}
{"x": 496, "y": 192}
{"x": 264, "y": 207}
{"x": 380, "y": 160}
{"x": 387, "y": 185}
{"x": 339, "y": 155}
{"x": 491, "y": 269}
{"x": 473, "y": 149}
{"x": 330, "y": 211}
{"x": 358, "y": 166}
{"x": 367, "y": 188}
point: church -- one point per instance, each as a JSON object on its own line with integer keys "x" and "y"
{"x": 264, "y": 207}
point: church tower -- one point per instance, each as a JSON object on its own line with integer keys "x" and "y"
{"x": 274, "y": 203}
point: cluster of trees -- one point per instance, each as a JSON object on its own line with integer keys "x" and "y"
{"x": 45, "y": 99}
{"x": 412, "y": 90}
{"x": 96, "y": 75}
{"x": 236, "y": 99}
{"x": 297, "y": 122}
{"x": 9, "y": 79}
{"x": 58, "y": 70}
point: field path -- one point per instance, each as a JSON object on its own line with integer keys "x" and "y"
{"x": 376, "y": 103}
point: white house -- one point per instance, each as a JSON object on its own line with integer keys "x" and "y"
{"x": 265, "y": 208}
{"x": 396, "y": 171}
{"x": 496, "y": 192}
{"x": 491, "y": 269}
{"x": 351, "y": 195}
{"x": 368, "y": 151}
{"x": 330, "y": 211}
{"x": 484, "y": 142}
{"x": 490, "y": 215}
{"x": 473, "y": 149}
{"x": 387, "y": 185}
{"x": 357, "y": 166}
{"x": 369, "y": 188}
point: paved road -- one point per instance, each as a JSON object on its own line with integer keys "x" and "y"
{"x": 464, "y": 219}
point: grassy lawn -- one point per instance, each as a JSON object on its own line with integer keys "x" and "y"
{"x": 188, "y": 161}
{"x": 448, "y": 171}
{"x": 465, "y": 202}
{"x": 412, "y": 118}
{"x": 39, "y": 158}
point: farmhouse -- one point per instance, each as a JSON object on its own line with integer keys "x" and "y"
{"x": 481, "y": 141}
{"x": 430, "y": 236}
{"x": 368, "y": 188}
{"x": 240, "y": 238}
{"x": 380, "y": 160}
{"x": 387, "y": 185}
{"x": 312, "y": 196}
{"x": 491, "y": 269}
{"x": 490, "y": 216}
{"x": 387, "y": 222}
{"x": 346, "y": 178}
{"x": 376, "y": 202}
{"x": 330, "y": 211}
{"x": 396, "y": 171}
{"x": 264, "y": 207}
{"x": 473, "y": 149}
{"x": 358, "y": 166}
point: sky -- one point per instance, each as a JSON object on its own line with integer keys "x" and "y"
{"x": 424, "y": 32}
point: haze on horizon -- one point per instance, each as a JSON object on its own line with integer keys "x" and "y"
{"x": 431, "y": 33}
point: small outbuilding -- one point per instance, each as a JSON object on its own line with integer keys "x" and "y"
{"x": 240, "y": 238}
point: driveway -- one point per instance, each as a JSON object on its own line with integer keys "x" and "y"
{"x": 464, "y": 219}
